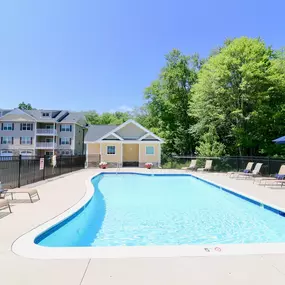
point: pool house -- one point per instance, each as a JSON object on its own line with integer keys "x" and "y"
{"x": 129, "y": 144}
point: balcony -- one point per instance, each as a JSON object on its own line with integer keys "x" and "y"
{"x": 45, "y": 145}
{"x": 46, "y": 132}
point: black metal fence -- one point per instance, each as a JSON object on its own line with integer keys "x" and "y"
{"x": 16, "y": 171}
{"x": 227, "y": 163}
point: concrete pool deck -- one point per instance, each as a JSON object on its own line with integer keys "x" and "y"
{"x": 61, "y": 193}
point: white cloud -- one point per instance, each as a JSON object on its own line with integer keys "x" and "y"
{"x": 123, "y": 108}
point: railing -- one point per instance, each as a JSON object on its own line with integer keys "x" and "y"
{"x": 46, "y": 132}
{"x": 270, "y": 165}
{"x": 19, "y": 171}
{"x": 46, "y": 145}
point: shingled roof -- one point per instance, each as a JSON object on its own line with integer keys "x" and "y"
{"x": 95, "y": 132}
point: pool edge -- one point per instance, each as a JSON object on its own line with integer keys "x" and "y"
{"x": 25, "y": 246}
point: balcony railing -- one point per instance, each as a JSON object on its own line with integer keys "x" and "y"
{"x": 46, "y": 132}
{"x": 46, "y": 145}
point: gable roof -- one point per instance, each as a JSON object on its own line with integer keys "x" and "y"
{"x": 17, "y": 112}
{"x": 95, "y": 132}
{"x": 100, "y": 132}
{"x": 57, "y": 116}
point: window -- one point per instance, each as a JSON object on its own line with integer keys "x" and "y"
{"x": 65, "y": 152}
{"x": 26, "y": 140}
{"x": 6, "y": 155}
{"x": 111, "y": 149}
{"x": 48, "y": 153}
{"x": 149, "y": 150}
{"x": 26, "y": 127}
{"x": 45, "y": 114}
{"x": 7, "y": 126}
{"x": 26, "y": 154}
{"x": 65, "y": 128}
{"x": 65, "y": 141}
{"x": 7, "y": 140}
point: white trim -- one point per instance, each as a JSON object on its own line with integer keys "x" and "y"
{"x": 150, "y": 134}
{"x": 126, "y": 123}
{"x": 112, "y": 134}
{"x": 159, "y": 155}
{"x": 26, "y": 247}
{"x": 149, "y": 146}
{"x": 111, "y": 153}
{"x": 122, "y": 154}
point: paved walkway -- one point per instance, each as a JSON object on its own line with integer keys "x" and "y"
{"x": 61, "y": 193}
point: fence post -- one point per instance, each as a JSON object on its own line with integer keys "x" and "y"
{"x": 44, "y": 168}
{"x": 269, "y": 165}
{"x": 59, "y": 161}
{"x": 71, "y": 162}
{"x": 20, "y": 166}
{"x": 237, "y": 163}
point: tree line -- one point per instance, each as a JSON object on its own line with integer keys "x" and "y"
{"x": 231, "y": 103}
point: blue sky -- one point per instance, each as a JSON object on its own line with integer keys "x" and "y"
{"x": 100, "y": 55}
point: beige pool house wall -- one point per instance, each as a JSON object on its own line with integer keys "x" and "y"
{"x": 155, "y": 158}
{"x": 112, "y": 159}
{"x": 125, "y": 152}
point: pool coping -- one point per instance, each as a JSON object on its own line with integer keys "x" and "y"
{"x": 26, "y": 247}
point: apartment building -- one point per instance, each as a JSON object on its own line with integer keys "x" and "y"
{"x": 41, "y": 132}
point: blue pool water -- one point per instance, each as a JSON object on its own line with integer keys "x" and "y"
{"x": 139, "y": 210}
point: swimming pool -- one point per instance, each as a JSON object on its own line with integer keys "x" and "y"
{"x": 164, "y": 210}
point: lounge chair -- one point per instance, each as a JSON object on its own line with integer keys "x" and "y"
{"x": 11, "y": 192}
{"x": 5, "y": 204}
{"x": 248, "y": 169}
{"x": 2, "y": 191}
{"x": 30, "y": 192}
{"x": 208, "y": 166}
{"x": 255, "y": 172}
{"x": 192, "y": 165}
{"x": 279, "y": 178}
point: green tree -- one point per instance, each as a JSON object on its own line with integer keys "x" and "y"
{"x": 24, "y": 106}
{"x": 107, "y": 118}
{"x": 239, "y": 92}
{"x": 209, "y": 145}
{"x": 168, "y": 98}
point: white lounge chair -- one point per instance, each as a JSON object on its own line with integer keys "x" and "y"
{"x": 30, "y": 192}
{"x": 255, "y": 172}
{"x": 278, "y": 179}
{"x": 5, "y": 204}
{"x": 248, "y": 169}
{"x": 208, "y": 166}
{"x": 192, "y": 165}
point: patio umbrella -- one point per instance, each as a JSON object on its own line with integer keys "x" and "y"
{"x": 280, "y": 140}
